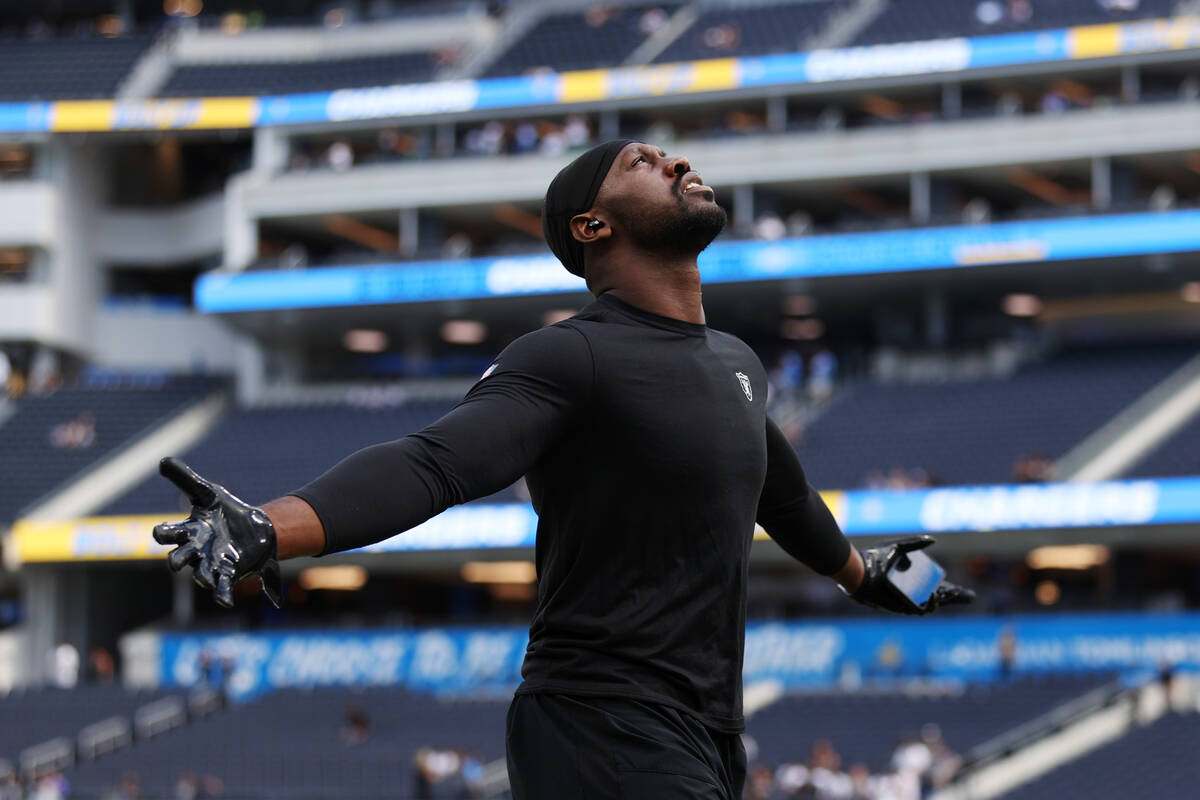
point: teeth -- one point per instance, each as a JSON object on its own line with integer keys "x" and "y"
{"x": 690, "y": 186}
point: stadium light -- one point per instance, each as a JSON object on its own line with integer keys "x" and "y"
{"x": 182, "y": 8}
{"x": 1022, "y": 305}
{"x": 464, "y": 331}
{"x": 1047, "y": 593}
{"x": 1073, "y": 556}
{"x": 364, "y": 340}
{"x": 499, "y": 572}
{"x": 1190, "y": 292}
{"x": 557, "y": 315}
{"x": 340, "y": 578}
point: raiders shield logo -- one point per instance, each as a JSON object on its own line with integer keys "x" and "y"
{"x": 744, "y": 380}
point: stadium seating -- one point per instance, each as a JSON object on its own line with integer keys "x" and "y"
{"x": 1178, "y": 455}
{"x": 578, "y": 40}
{"x": 288, "y": 745}
{"x": 265, "y": 452}
{"x": 748, "y": 31}
{"x": 1156, "y": 761}
{"x": 973, "y": 431}
{"x": 31, "y": 717}
{"x": 295, "y": 77}
{"x": 50, "y": 440}
{"x": 68, "y": 68}
{"x": 866, "y": 727}
{"x": 908, "y": 20}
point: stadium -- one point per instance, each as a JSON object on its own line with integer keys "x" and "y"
{"x": 963, "y": 239}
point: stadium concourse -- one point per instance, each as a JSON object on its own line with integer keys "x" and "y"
{"x": 964, "y": 240}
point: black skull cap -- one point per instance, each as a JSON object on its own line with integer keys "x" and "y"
{"x": 572, "y": 192}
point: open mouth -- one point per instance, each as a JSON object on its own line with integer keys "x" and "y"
{"x": 691, "y": 183}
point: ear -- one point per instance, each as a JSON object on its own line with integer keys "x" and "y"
{"x": 586, "y": 234}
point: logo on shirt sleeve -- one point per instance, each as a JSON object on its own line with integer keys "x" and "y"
{"x": 744, "y": 380}
{"x": 489, "y": 370}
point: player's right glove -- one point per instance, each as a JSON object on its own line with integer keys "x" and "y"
{"x": 878, "y": 592}
{"x": 223, "y": 540}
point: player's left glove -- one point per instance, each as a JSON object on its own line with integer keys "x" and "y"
{"x": 223, "y": 540}
{"x": 878, "y": 592}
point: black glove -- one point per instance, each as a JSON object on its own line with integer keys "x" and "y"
{"x": 878, "y": 592}
{"x": 223, "y": 539}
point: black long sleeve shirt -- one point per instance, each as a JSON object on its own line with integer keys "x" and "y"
{"x": 649, "y": 457}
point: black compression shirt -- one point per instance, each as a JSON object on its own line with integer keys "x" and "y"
{"x": 649, "y": 457}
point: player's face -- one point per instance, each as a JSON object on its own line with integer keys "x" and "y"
{"x": 660, "y": 201}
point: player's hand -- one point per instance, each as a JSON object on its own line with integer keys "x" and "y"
{"x": 878, "y": 592}
{"x": 223, "y": 540}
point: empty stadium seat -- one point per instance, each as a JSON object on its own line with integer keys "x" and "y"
{"x": 750, "y": 31}
{"x": 295, "y": 77}
{"x": 1156, "y": 761}
{"x": 39, "y": 452}
{"x": 67, "y": 68}
{"x": 916, "y": 20}
{"x": 288, "y": 745}
{"x": 866, "y": 727}
{"x": 579, "y": 40}
{"x": 973, "y": 431}
{"x": 266, "y": 452}
{"x": 1178, "y": 455}
{"x": 37, "y": 715}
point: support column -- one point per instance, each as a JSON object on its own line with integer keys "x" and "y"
{"x": 1131, "y": 84}
{"x": 271, "y": 150}
{"x": 777, "y": 114}
{"x": 610, "y": 125}
{"x": 410, "y": 232}
{"x": 743, "y": 209}
{"x": 952, "y": 100}
{"x": 1101, "y": 182}
{"x": 937, "y": 318}
{"x": 920, "y": 201}
{"x": 183, "y": 596}
{"x": 444, "y": 140}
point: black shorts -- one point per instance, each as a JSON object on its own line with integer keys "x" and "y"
{"x": 568, "y": 747}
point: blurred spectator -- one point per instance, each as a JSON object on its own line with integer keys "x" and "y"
{"x": 339, "y": 156}
{"x": 187, "y": 787}
{"x": 1006, "y": 647}
{"x": 64, "y": 666}
{"x": 1033, "y": 468}
{"x": 75, "y": 434}
{"x": 822, "y": 373}
{"x": 651, "y": 20}
{"x": 51, "y": 787}
{"x": 101, "y": 666}
{"x": 770, "y": 227}
{"x": 129, "y": 788}
{"x": 357, "y": 728}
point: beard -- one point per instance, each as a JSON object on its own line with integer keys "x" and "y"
{"x": 682, "y": 230}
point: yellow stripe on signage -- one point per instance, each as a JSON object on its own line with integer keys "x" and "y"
{"x": 81, "y": 115}
{"x": 1094, "y": 41}
{"x": 582, "y": 86}
{"x": 153, "y": 115}
{"x": 714, "y": 74}
{"x": 93, "y": 539}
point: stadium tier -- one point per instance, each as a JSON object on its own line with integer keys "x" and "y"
{"x": 67, "y": 68}
{"x": 974, "y": 431}
{"x": 31, "y": 717}
{"x": 293, "y": 744}
{"x": 750, "y": 30}
{"x": 1158, "y": 760}
{"x": 912, "y": 20}
{"x": 601, "y": 36}
{"x": 1179, "y": 454}
{"x": 262, "y": 453}
{"x": 298, "y": 76}
{"x": 51, "y": 439}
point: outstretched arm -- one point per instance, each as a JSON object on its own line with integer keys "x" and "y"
{"x": 796, "y": 517}
{"x": 533, "y": 393}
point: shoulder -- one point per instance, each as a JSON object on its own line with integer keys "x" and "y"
{"x": 559, "y": 353}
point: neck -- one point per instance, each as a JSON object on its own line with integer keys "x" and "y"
{"x": 669, "y": 288}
